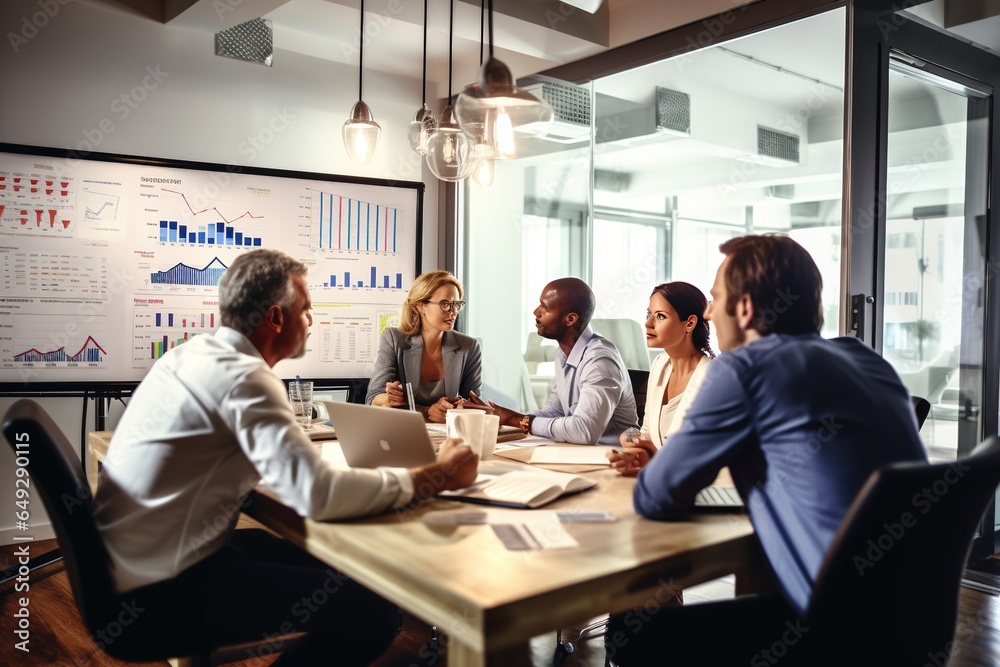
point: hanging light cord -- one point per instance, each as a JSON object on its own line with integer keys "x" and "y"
{"x": 451, "y": 40}
{"x": 361, "y": 52}
{"x": 490, "y": 3}
{"x": 482, "y": 28}
{"x": 423, "y": 94}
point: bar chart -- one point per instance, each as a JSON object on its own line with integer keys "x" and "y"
{"x": 345, "y": 223}
{"x": 182, "y": 274}
{"x": 371, "y": 279}
{"x": 90, "y": 352}
{"x": 157, "y": 331}
{"x": 216, "y": 233}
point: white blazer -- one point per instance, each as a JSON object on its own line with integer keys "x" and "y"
{"x": 657, "y": 385}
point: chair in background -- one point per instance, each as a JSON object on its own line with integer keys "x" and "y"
{"x": 537, "y": 352}
{"x": 57, "y": 477}
{"x": 640, "y": 381}
{"x": 628, "y": 336}
{"x": 922, "y": 407}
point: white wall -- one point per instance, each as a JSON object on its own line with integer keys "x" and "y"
{"x": 107, "y": 80}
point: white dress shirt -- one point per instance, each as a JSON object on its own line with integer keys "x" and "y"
{"x": 209, "y": 421}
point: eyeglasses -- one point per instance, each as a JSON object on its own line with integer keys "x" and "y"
{"x": 447, "y": 306}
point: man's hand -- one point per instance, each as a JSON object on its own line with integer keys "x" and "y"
{"x": 508, "y": 417}
{"x": 394, "y": 394}
{"x": 456, "y": 468}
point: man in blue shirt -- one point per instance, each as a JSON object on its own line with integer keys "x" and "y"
{"x": 800, "y": 421}
{"x": 592, "y": 400}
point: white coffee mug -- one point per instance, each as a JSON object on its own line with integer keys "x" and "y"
{"x": 474, "y": 427}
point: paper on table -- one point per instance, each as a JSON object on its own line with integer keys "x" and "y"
{"x": 532, "y": 441}
{"x": 582, "y": 455}
{"x": 518, "y": 530}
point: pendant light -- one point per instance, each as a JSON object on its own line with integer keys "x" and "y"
{"x": 485, "y": 167}
{"x": 424, "y": 123}
{"x": 500, "y": 107}
{"x": 361, "y": 132}
{"x": 448, "y": 156}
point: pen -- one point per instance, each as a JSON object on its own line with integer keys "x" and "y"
{"x": 409, "y": 396}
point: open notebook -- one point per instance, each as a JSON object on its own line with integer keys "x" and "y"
{"x": 509, "y": 485}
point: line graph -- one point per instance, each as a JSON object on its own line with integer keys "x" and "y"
{"x": 247, "y": 214}
{"x": 182, "y": 274}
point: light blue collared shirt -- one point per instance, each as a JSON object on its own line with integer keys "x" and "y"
{"x": 592, "y": 400}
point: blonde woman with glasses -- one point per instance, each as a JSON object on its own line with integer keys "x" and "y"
{"x": 442, "y": 366}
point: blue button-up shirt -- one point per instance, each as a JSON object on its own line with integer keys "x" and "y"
{"x": 801, "y": 422}
{"x": 592, "y": 400}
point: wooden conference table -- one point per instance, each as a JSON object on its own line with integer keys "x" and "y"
{"x": 491, "y": 601}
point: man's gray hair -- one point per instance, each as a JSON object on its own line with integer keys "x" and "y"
{"x": 255, "y": 282}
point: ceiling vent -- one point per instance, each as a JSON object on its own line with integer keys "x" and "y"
{"x": 673, "y": 112}
{"x": 252, "y": 41}
{"x": 570, "y": 107}
{"x": 774, "y": 149}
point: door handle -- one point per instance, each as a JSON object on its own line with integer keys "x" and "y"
{"x": 858, "y": 302}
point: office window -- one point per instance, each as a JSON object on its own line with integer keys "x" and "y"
{"x": 742, "y": 137}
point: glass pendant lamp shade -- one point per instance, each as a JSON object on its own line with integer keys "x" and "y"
{"x": 448, "y": 155}
{"x": 421, "y": 128}
{"x": 494, "y": 109}
{"x": 424, "y": 123}
{"x": 361, "y": 134}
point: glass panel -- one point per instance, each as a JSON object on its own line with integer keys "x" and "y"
{"x": 682, "y": 155}
{"x": 530, "y": 226}
{"x": 932, "y": 305}
{"x": 745, "y": 137}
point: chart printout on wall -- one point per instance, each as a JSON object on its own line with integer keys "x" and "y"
{"x": 109, "y": 262}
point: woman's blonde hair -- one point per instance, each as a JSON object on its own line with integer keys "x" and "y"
{"x": 423, "y": 288}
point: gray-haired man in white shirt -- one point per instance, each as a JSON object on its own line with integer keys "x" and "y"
{"x": 211, "y": 420}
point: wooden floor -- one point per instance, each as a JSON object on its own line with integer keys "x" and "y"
{"x": 58, "y": 636}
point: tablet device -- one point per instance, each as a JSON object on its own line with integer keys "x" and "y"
{"x": 372, "y": 436}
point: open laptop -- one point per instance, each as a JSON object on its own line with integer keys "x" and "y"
{"x": 371, "y": 436}
{"x": 719, "y": 499}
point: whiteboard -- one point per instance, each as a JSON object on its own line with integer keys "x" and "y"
{"x": 110, "y": 261}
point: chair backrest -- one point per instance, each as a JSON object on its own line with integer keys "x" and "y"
{"x": 891, "y": 578}
{"x": 922, "y": 407}
{"x": 536, "y": 351}
{"x": 640, "y": 382}
{"x": 57, "y": 477}
{"x": 628, "y": 336}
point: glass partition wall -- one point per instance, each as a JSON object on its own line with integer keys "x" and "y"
{"x": 677, "y": 156}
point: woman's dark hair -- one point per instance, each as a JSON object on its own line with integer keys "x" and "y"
{"x": 688, "y": 300}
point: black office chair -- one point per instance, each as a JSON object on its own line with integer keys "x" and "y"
{"x": 640, "y": 381}
{"x": 923, "y": 408}
{"x": 887, "y": 593}
{"x": 57, "y": 477}
{"x": 901, "y": 600}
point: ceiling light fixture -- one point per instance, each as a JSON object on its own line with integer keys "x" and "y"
{"x": 361, "y": 132}
{"x": 485, "y": 167}
{"x": 448, "y": 156}
{"x": 496, "y": 108}
{"x": 424, "y": 123}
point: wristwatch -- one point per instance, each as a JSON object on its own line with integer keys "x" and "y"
{"x": 525, "y": 423}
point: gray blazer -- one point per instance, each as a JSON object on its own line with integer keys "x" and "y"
{"x": 399, "y": 358}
